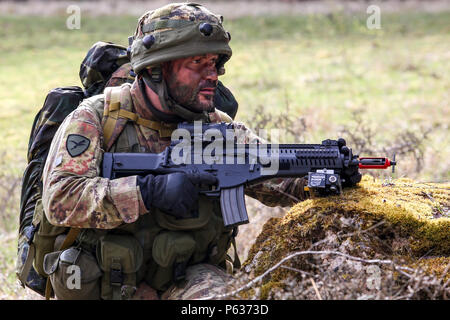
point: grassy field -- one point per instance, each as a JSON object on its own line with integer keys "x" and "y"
{"x": 324, "y": 75}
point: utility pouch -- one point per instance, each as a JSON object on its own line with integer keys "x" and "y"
{"x": 25, "y": 272}
{"x": 171, "y": 252}
{"x": 44, "y": 238}
{"x": 169, "y": 222}
{"x": 120, "y": 257}
{"x": 74, "y": 274}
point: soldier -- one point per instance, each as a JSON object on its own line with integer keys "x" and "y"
{"x": 139, "y": 232}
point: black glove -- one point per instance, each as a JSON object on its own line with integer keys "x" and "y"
{"x": 351, "y": 176}
{"x": 174, "y": 193}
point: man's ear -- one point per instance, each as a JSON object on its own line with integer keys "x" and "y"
{"x": 156, "y": 73}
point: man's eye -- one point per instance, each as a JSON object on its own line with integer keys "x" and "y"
{"x": 197, "y": 61}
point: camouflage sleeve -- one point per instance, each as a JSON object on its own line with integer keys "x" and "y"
{"x": 273, "y": 192}
{"x": 74, "y": 194}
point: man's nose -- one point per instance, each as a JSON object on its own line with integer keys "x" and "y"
{"x": 211, "y": 74}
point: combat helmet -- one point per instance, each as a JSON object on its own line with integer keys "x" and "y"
{"x": 174, "y": 31}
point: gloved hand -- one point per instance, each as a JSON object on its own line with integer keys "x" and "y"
{"x": 174, "y": 193}
{"x": 351, "y": 177}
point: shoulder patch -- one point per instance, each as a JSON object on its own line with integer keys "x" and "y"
{"x": 77, "y": 144}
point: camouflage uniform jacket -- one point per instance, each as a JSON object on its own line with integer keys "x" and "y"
{"x": 74, "y": 193}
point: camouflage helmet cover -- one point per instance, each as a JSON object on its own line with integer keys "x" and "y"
{"x": 178, "y": 30}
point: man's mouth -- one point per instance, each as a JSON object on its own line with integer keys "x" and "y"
{"x": 207, "y": 91}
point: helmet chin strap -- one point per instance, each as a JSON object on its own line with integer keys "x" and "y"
{"x": 169, "y": 104}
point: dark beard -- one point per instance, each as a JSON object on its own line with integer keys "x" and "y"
{"x": 188, "y": 97}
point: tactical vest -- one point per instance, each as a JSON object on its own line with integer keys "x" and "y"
{"x": 157, "y": 247}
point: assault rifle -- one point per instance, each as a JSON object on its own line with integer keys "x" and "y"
{"x": 211, "y": 148}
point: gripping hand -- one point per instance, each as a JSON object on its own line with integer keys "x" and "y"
{"x": 175, "y": 193}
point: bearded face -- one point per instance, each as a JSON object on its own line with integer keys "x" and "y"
{"x": 192, "y": 81}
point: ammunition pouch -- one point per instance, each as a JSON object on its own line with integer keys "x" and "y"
{"x": 169, "y": 222}
{"x": 74, "y": 274}
{"x": 44, "y": 237}
{"x": 184, "y": 242}
{"x": 120, "y": 257}
{"x": 171, "y": 251}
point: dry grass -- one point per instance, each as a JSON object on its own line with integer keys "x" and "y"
{"x": 230, "y": 9}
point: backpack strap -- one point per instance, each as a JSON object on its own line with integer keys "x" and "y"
{"x": 114, "y": 111}
{"x": 236, "y": 261}
{"x": 111, "y": 112}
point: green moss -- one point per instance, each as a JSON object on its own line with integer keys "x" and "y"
{"x": 410, "y": 230}
{"x": 269, "y": 287}
{"x": 438, "y": 266}
{"x": 247, "y": 294}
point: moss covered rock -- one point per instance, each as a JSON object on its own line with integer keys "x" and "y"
{"x": 381, "y": 238}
